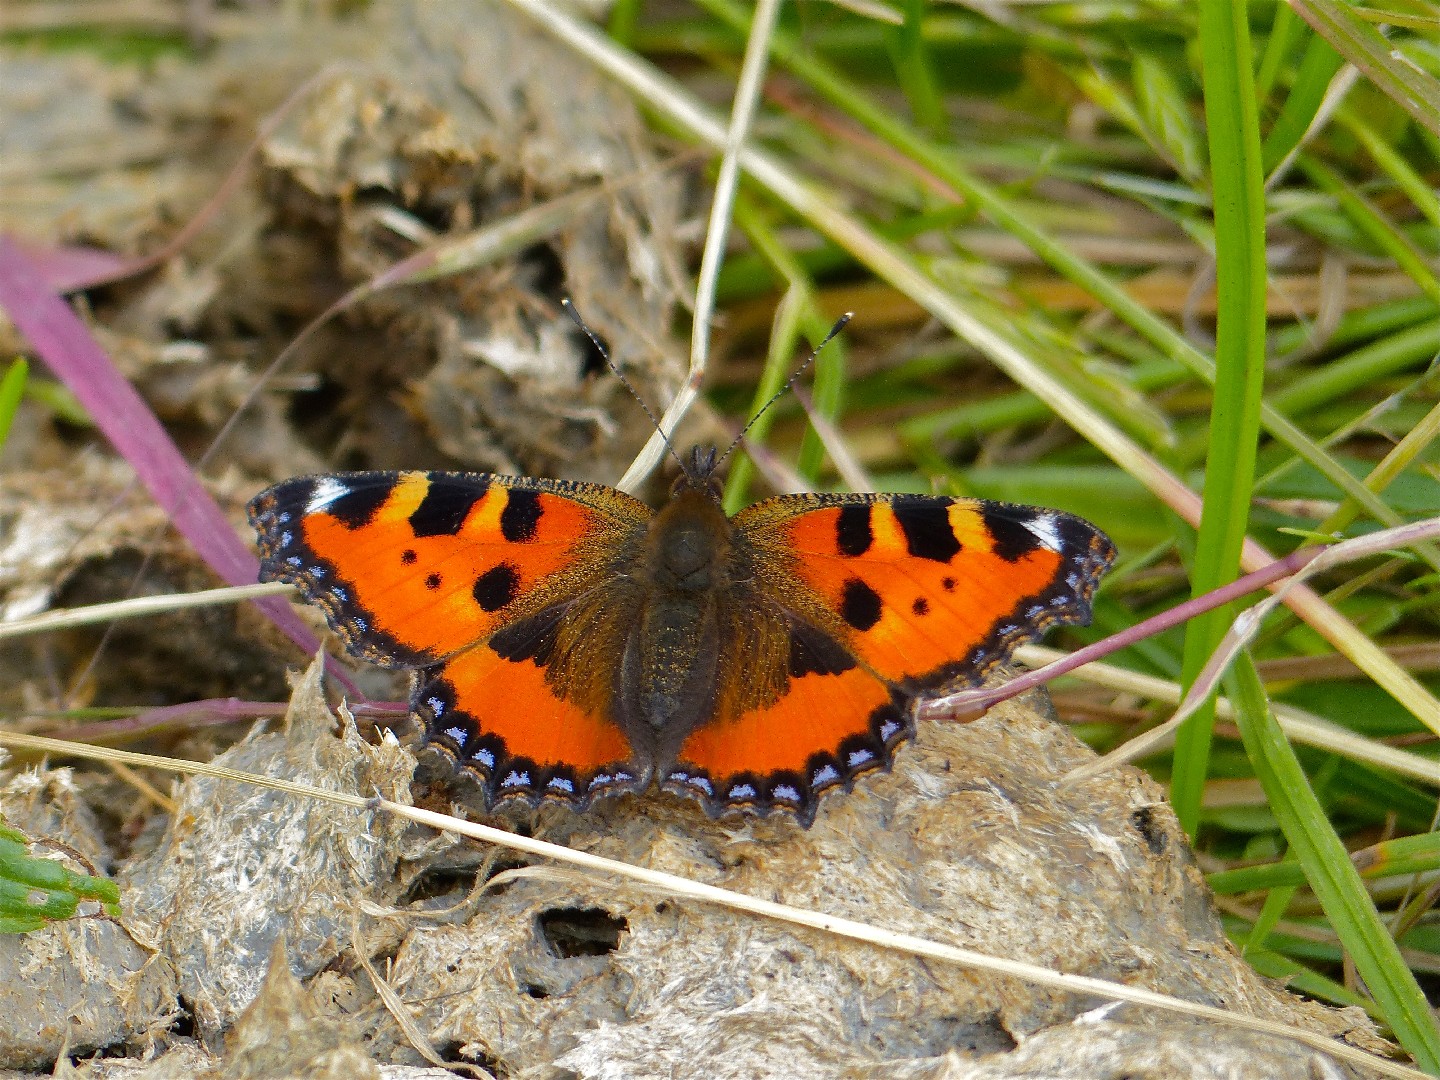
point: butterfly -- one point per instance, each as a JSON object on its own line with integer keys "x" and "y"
{"x": 569, "y": 643}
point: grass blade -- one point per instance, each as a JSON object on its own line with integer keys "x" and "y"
{"x": 1365, "y": 47}
{"x": 1312, "y": 80}
{"x": 12, "y": 388}
{"x": 913, "y": 69}
{"x": 1167, "y": 115}
{"x": 1233, "y": 126}
{"x": 1330, "y": 872}
{"x": 1418, "y": 854}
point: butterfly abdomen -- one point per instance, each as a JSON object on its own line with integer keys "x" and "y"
{"x": 671, "y": 680}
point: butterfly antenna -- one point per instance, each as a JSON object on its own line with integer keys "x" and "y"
{"x": 789, "y": 383}
{"x": 574, "y": 314}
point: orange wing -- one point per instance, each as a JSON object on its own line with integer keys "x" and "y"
{"x": 888, "y": 598}
{"x": 931, "y": 592}
{"x": 503, "y": 721}
{"x": 448, "y": 571}
{"x": 826, "y": 729}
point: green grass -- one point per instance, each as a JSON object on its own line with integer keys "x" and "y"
{"x": 119, "y": 45}
{"x": 12, "y": 389}
{"x": 36, "y": 891}
{"x": 1239, "y": 205}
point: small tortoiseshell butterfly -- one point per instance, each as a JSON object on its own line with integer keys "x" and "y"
{"x": 569, "y": 642}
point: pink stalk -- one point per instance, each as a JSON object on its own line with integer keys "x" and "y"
{"x": 978, "y": 700}
{"x": 72, "y": 353}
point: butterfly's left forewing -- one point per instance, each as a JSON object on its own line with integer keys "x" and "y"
{"x": 412, "y": 567}
{"x": 889, "y": 597}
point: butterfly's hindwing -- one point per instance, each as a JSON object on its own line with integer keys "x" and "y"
{"x": 794, "y": 719}
{"x": 502, "y": 720}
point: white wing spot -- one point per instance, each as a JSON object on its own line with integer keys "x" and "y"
{"x": 741, "y": 791}
{"x": 786, "y": 792}
{"x": 857, "y": 758}
{"x": 327, "y": 490}
{"x": 459, "y": 734}
{"x": 826, "y": 774}
{"x": 437, "y": 706}
{"x": 690, "y": 780}
{"x": 887, "y": 729}
{"x": 1046, "y": 529}
{"x": 516, "y": 779}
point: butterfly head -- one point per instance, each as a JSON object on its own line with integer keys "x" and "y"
{"x": 697, "y": 473}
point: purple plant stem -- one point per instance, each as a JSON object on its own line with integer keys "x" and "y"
{"x": 208, "y": 712}
{"x": 65, "y": 269}
{"x": 982, "y": 698}
{"x": 72, "y": 353}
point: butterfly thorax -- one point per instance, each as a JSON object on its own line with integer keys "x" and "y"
{"x": 688, "y": 545}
